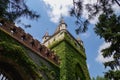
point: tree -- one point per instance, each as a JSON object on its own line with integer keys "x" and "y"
{"x": 76, "y": 11}
{"x": 100, "y": 7}
{"x": 14, "y": 9}
{"x": 108, "y": 28}
{"x": 113, "y": 74}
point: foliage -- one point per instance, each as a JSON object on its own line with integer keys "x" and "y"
{"x": 71, "y": 41}
{"x": 99, "y": 78}
{"x": 100, "y": 7}
{"x": 49, "y": 73}
{"x": 17, "y": 54}
{"x": 72, "y": 61}
{"x": 106, "y": 19}
{"x": 113, "y": 74}
{"x": 77, "y": 12}
{"x": 14, "y": 9}
{"x": 108, "y": 28}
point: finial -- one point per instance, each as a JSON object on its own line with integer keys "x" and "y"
{"x": 61, "y": 16}
{"x": 79, "y": 40}
{"x": 62, "y": 25}
{"x": 46, "y": 33}
{"x": 46, "y": 36}
{"x": 61, "y": 19}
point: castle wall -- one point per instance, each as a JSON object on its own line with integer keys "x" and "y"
{"x": 27, "y": 40}
{"x": 72, "y": 56}
{"x": 65, "y": 60}
{"x": 45, "y": 59}
{"x": 70, "y": 59}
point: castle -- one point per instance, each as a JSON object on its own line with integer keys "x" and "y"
{"x": 59, "y": 57}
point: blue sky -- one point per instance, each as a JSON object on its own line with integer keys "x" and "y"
{"x": 50, "y": 12}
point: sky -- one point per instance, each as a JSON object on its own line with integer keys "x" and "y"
{"x": 51, "y": 12}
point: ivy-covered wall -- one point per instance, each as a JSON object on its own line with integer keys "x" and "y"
{"x": 72, "y": 59}
{"x": 30, "y": 62}
{"x": 71, "y": 54}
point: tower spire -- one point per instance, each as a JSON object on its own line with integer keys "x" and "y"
{"x": 62, "y": 25}
{"x": 46, "y": 36}
{"x": 79, "y": 40}
{"x": 62, "y": 19}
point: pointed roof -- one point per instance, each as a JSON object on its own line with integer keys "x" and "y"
{"x": 79, "y": 40}
{"x": 46, "y": 34}
{"x": 62, "y": 22}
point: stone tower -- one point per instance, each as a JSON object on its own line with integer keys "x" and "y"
{"x": 70, "y": 51}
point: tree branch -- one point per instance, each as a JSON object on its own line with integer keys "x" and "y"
{"x": 117, "y": 2}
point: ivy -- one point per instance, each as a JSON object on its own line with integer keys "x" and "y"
{"x": 69, "y": 58}
{"x": 49, "y": 73}
{"x": 71, "y": 41}
{"x": 65, "y": 48}
{"x": 15, "y": 51}
{"x": 70, "y": 55}
{"x": 17, "y": 54}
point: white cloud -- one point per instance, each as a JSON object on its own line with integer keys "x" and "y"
{"x": 100, "y": 58}
{"x": 58, "y": 8}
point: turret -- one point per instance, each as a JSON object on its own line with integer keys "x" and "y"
{"x": 79, "y": 40}
{"x": 62, "y": 26}
{"x": 46, "y": 37}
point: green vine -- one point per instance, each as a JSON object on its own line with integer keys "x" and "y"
{"x": 15, "y": 51}
{"x": 17, "y": 54}
{"x": 49, "y": 73}
{"x": 69, "y": 53}
{"x": 69, "y": 59}
{"x": 71, "y": 41}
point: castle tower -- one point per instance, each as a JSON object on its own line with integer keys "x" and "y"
{"x": 46, "y": 36}
{"x": 71, "y": 53}
{"x": 61, "y": 26}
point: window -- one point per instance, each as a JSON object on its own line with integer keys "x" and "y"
{"x": 79, "y": 73}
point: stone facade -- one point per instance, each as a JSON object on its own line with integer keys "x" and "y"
{"x": 59, "y": 57}
{"x": 71, "y": 53}
{"x": 26, "y": 39}
{"x": 24, "y": 58}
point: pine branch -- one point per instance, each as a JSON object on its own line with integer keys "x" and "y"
{"x": 117, "y": 2}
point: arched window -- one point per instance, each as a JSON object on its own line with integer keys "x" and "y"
{"x": 79, "y": 73}
{"x": 8, "y": 72}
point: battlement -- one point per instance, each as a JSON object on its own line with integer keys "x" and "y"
{"x": 27, "y": 40}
